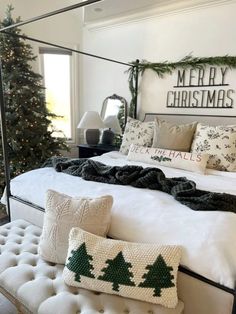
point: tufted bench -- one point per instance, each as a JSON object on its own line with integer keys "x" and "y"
{"x": 36, "y": 286}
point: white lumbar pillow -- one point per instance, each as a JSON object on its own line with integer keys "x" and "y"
{"x": 169, "y": 158}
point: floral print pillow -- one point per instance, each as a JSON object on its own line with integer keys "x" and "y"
{"x": 219, "y": 142}
{"x": 137, "y": 133}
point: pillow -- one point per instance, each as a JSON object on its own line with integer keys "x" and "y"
{"x": 169, "y": 158}
{"x": 146, "y": 272}
{"x": 136, "y": 132}
{"x": 174, "y": 137}
{"x": 62, "y": 213}
{"x": 219, "y": 142}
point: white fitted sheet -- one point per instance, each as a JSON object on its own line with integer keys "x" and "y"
{"x": 141, "y": 215}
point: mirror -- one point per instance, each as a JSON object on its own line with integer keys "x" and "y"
{"x": 115, "y": 106}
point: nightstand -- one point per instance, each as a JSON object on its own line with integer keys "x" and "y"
{"x": 86, "y": 151}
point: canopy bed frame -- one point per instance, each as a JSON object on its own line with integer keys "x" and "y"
{"x": 183, "y": 271}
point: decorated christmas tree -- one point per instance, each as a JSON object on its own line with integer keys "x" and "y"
{"x": 117, "y": 272}
{"x": 29, "y": 130}
{"x": 158, "y": 277}
{"x": 79, "y": 263}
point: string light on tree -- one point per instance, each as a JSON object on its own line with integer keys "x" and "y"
{"x": 30, "y": 139}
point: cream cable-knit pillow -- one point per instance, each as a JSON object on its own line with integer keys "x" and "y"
{"x": 145, "y": 272}
{"x": 63, "y": 213}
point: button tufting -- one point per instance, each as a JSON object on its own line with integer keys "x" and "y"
{"x": 126, "y": 311}
{"x": 150, "y": 312}
{"x": 101, "y": 311}
{"x": 97, "y": 293}
{"x": 78, "y": 312}
{"x": 76, "y": 292}
{"x": 52, "y": 276}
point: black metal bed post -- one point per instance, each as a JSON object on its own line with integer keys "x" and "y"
{"x": 234, "y": 304}
{"x": 4, "y": 142}
{"x": 136, "y": 88}
{"x": 46, "y": 15}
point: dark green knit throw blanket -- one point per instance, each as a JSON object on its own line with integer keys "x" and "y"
{"x": 182, "y": 189}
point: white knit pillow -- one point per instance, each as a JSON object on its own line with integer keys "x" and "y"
{"x": 136, "y": 132}
{"x": 63, "y": 213}
{"x": 169, "y": 158}
{"x": 140, "y": 271}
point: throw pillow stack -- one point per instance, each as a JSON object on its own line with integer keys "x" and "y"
{"x": 74, "y": 234}
{"x": 213, "y": 146}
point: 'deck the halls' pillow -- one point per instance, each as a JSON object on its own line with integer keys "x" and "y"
{"x": 146, "y": 272}
{"x": 173, "y": 137}
{"x": 136, "y": 132}
{"x": 169, "y": 158}
{"x": 62, "y": 213}
{"x": 219, "y": 142}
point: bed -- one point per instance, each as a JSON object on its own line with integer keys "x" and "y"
{"x": 206, "y": 281}
{"x": 208, "y": 265}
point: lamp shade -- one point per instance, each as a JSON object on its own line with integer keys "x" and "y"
{"x": 91, "y": 120}
{"x": 112, "y": 122}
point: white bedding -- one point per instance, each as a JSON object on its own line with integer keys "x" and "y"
{"x": 143, "y": 215}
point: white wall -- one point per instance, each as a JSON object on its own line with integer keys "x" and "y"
{"x": 208, "y": 31}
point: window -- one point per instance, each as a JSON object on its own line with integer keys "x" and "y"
{"x": 57, "y": 73}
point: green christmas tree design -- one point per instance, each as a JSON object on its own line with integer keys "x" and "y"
{"x": 158, "y": 277}
{"x": 79, "y": 263}
{"x": 117, "y": 272}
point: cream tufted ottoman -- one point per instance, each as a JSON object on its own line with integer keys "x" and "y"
{"x": 36, "y": 286}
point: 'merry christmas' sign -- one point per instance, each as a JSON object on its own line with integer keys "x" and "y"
{"x": 201, "y": 88}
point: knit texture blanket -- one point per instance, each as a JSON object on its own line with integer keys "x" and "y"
{"x": 182, "y": 189}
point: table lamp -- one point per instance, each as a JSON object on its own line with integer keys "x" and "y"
{"x": 112, "y": 123}
{"x": 91, "y": 122}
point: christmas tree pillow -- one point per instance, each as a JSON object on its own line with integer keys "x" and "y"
{"x": 62, "y": 213}
{"x": 146, "y": 272}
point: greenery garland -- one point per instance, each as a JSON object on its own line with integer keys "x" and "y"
{"x": 163, "y": 68}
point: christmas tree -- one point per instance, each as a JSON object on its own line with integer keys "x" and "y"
{"x": 158, "y": 277}
{"x": 29, "y": 131}
{"x": 117, "y": 272}
{"x": 79, "y": 263}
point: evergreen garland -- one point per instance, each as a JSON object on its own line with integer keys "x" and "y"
{"x": 29, "y": 132}
{"x": 164, "y": 68}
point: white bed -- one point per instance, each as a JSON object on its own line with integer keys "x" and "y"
{"x": 206, "y": 282}
{"x": 144, "y": 215}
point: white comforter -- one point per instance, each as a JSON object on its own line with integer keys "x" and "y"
{"x": 143, "y": 215}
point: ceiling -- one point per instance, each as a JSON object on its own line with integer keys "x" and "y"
{"x": 110, "y": 9}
